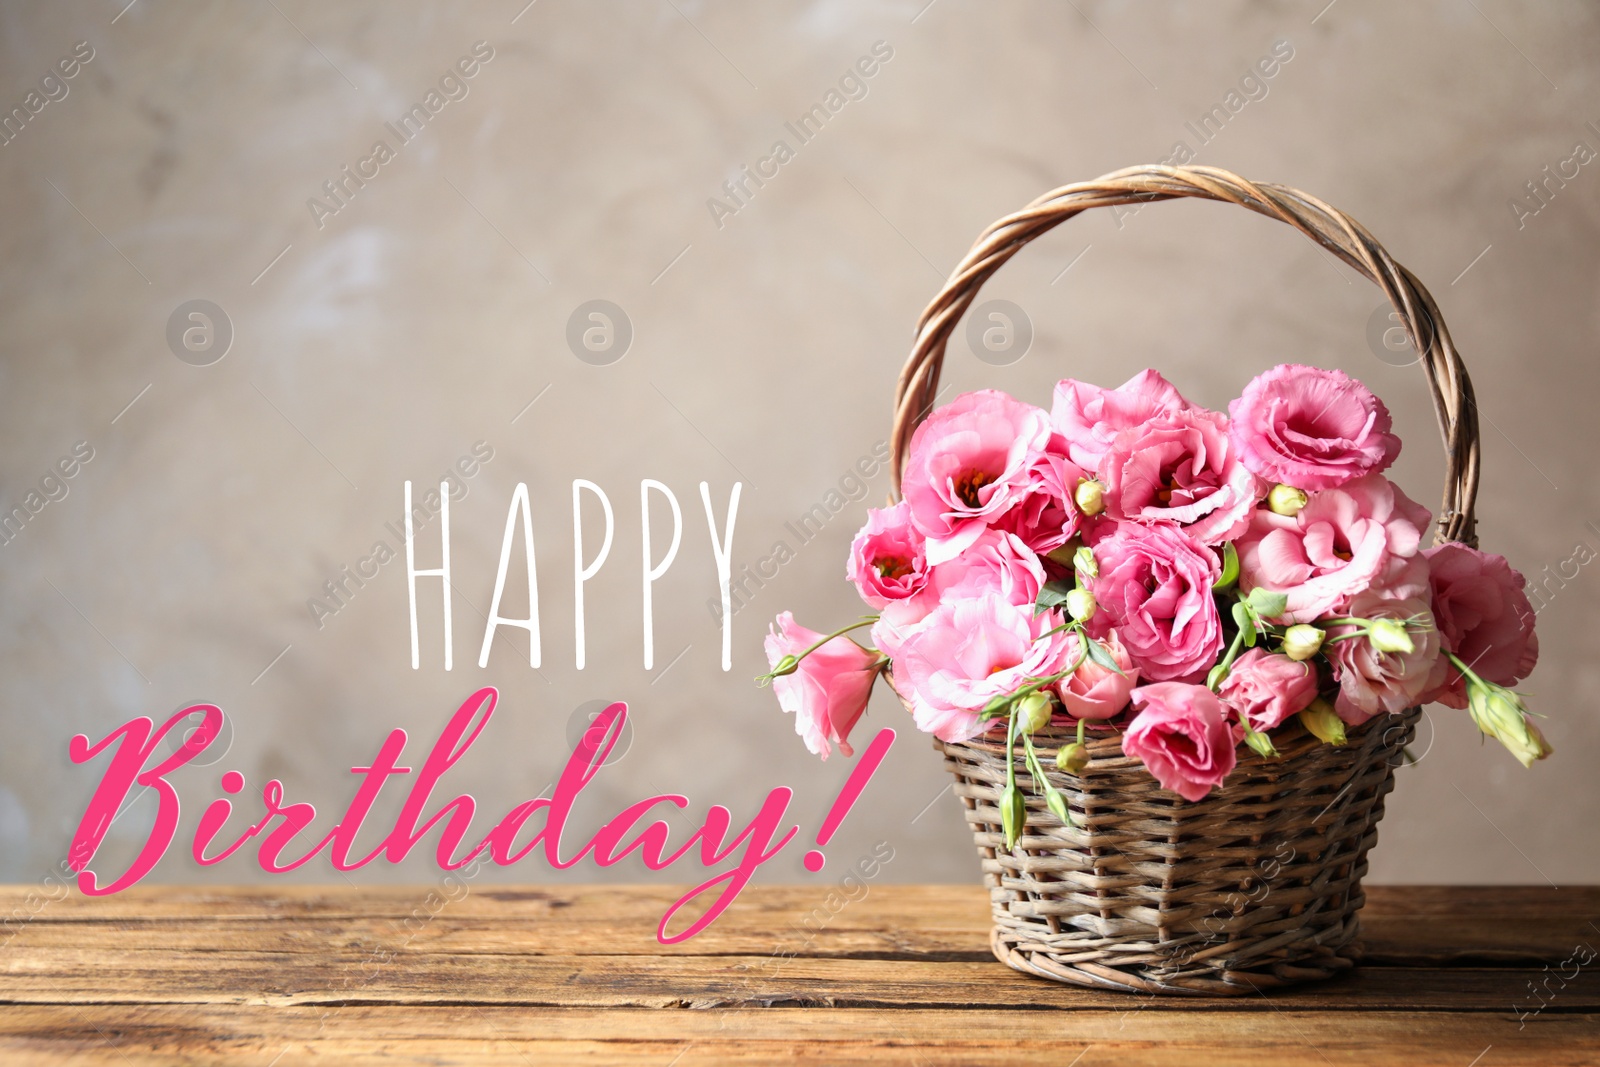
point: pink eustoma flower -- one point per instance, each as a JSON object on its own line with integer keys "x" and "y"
{"x": 1484, "y": 617}
{"x": 1154, "y": 588}
{"x": 1363, "y": 534}
{"x": 1045, "y": 516}
{"x": 1096, "y": 692}
{"x": 1181, "y": 735}
{"x": 966, "y": 653}
{"x": 1265, "y": 688}
{"x": 969, "y": 465}
{"x": 828, "y": 692}
{"x": 996, "y": 562}
{"x": 888, "y": 560}
{"x": 1090, "y": 417}
{"x": 1311, "y": 428}
{"x": 1371, "y": 681}
{"x": 1181, "y": 467}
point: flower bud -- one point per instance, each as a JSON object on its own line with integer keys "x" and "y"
{"x": 1323, "y": 722}
{"x": 1500, "y": 713}
{"x": 786, "y": 665}
{"x": 1013, "y": 814}
{"x": 1033, "y": 712}
{"x": 1260, "y": 744}
{"x": 1081, "y": 605}
{"x": 1073, "y": 758}
{"x": 1389, "y": 635}
{"x": 1058, "y": 807}
{"x": 1090, "y": 496}
{"x": 1286, "y": 500}
{"x": 1301, "y": 641}
{"x": 1217, "y": 676}
{"x": 1084, "y": 563}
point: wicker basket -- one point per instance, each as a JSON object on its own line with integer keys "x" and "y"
{"x": 1259, "y": 884}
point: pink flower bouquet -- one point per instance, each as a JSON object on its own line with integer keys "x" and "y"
{"x": 1193, "y": 580}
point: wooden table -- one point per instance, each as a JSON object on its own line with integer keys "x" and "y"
{"x": 284, "y": 976}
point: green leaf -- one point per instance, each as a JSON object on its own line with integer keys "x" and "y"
{"x": 1230, "y": 566}
{"x": 1266, "y": 603}
{"x": 1098, "y": 653}
{"x": 1052, "y": 595}
{"x": 1246, "y": 622}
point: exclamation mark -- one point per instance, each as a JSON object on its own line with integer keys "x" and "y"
{"x": 865, "y": 769}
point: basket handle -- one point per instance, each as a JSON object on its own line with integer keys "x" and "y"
{"x": 1453, "y": 402}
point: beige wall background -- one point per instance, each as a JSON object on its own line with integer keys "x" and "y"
{"x": 382, "y": 341}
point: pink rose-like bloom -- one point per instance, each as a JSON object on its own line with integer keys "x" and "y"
{"x": 969, "y": 465}
{"x": 828, "y": 692}
{"x": 966, "y": 653}
{"x": 1484, "y": 617}
{"x": 996, "y": 562}
{"x": 1311, "y": 428}
{"x": 1266, "y": 688}
{"x": 1090, "y": 417}
{"x": 1371, "y": 681}
{"x": 1181, "y": 735}
{"x": 1181, "y": 468}
{"x": 888, "y": 560}
{"x": 1096, "y": 692}
{"x": 1364, "y": 533}
{"x": 1154, "y": 588}
{"x": 1045, "y": 516}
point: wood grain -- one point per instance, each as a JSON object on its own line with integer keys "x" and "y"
{"x": 560, "y": 975}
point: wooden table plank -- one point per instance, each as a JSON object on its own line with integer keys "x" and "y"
{"x": 1400, "y": 923}
{"x": 97, "y": 976}
{"x": 216, "y": 1033}
{"x": 573, "y": 974}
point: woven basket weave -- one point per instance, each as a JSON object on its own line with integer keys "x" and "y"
{"x": 1259, "y": 884}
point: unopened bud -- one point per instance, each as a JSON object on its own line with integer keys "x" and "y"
{"x": 1084, "y": 563}
{"x": 1033, "y": 712}
{"x": 1217, "y": 676}
{"x": 1389, "y": 635}
{"x": 786, "y": 665}
{"x": 1090, "y": 496}
{"x": 1301, "y": 641}
{"x": 1323, "y": 722}
{"x": 1073, "y": 758}
{"x": 1081, "y": 605}
{"x": 1499, "y": 712}
{"x": 1260, "y": 743}
{"x": 1013, "y": 814}
{"x": 1286, "y": 500}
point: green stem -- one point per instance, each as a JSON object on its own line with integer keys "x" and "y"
{"x": 1221, "y": 669}
{"x": 1413, "y": 622}
{"x": 1011, "y": 742}
{"x": 1466, "y": 671}
{"x": 1351, "y": 621}
{"x": 785, "y": 666}
{"x": 1033, "y": 764}
{"x": 837, "y": 633}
